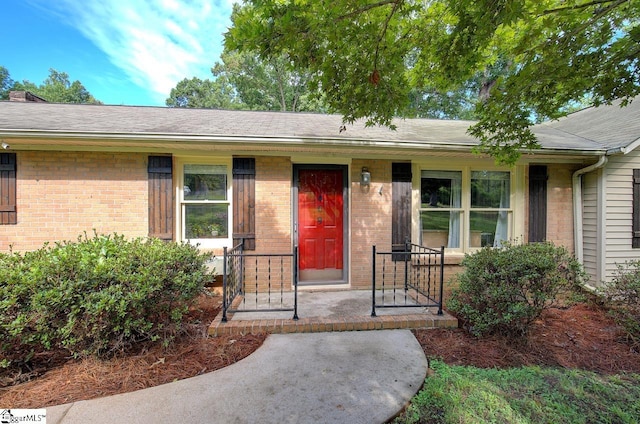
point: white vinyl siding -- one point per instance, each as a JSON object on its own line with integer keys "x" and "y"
{"x": 590, "y": 225}
{"x": 618, "y": 227}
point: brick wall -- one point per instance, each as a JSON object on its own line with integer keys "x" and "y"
{"x": 370, "y": 218}
{"x": 273, "y": 223}
{"x": 60, "y": 195}
{"x": 560, "y": 206}
{"x": 25, "y": 96}
{"x": 273, "y": 204}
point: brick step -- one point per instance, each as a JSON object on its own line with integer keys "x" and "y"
{"x": 318, "y": 324}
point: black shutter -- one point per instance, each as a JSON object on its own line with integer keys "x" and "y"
{"x": 636, "y": 209}
{"x": 537, "y": 203}
{"x": 401, "y": 205}
{"x": 8, "y": 210}
{"x": 244, "y": 202}
{"x": 160, "y": 171}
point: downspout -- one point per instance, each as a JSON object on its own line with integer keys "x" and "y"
{"x": 577, "y": 206}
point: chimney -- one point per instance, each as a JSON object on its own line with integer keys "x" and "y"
{"x": 25, "y": 96}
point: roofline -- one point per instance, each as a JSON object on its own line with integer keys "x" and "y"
{"x": 261, "y": 139}
{"x": 258, "y": 139}
{"x": 240, "y": 111}
{"x": 625, "y": 149}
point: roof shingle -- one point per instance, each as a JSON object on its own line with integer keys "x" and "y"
{"x": 589, "y": 130}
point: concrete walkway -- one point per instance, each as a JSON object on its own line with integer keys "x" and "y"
{"x": 347, "y": 377}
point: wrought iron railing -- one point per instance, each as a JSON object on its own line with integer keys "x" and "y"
{"x": 410, "y": 278}
{"x": 259, "y": 282}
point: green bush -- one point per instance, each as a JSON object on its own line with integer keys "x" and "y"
{"x": 503, "y": 290}
{"x": 96, "y": 296}
{"x": 622, "y": 297}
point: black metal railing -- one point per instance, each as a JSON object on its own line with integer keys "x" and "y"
{"x": 259, "y": 282}
{"x": 410, "y": 278}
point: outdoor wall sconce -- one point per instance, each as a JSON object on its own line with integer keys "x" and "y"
{"x": 365, "y": 177}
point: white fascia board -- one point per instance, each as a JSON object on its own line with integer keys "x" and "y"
{"x": 626, "y": 149}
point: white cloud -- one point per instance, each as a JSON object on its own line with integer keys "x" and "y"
{"x": 156, "y": 43}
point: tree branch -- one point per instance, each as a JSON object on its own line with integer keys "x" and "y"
{"x": 396, "y": 4}
{"x": 581, "y": 6}
{"x": 365, "y": 9}
{"x": 601, "y": 13}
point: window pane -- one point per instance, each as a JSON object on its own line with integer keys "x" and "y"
{"x": 441, "y": 189}
{"x": 205, "y": 182}
{"x": 206, "y": 221}
{"x": 440, "y": 228}
{"x": 490, "y": 189}
{"x": 488, "y": 228}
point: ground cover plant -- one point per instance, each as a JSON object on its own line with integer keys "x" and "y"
{"x": 504, "y": 290}
{"x": 622, "y": 297}
{"x": 96, "y": 296}
{"x": 55, "y": 378}
{"x": 527, "y": 351}
{"x": 574, "y": 365}
{"x": 574, "y": 356}
{"x": 533, "y": 394}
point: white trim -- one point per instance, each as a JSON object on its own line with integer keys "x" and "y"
{"x": 416, "y": 202}
{"x": 168, "y": 140}
{"x": 519, "y": 206}
{"x": 626, "y": 149}
{"x": 576, "y": 180}
{"x": 179, "y": 163}
{"x": 344, "y": 164}
{"x": 601, "y": 219}
{"x": 516, "y": 198}
{"x": 320, "y": 160}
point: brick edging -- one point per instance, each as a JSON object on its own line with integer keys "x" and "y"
{"x": 317, "y": 324}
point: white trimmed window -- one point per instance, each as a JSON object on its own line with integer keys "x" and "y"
{"x": 465, "y": 209}
{"x": 205, "y": 201}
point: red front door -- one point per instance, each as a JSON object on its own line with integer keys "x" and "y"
{"x": 320, "y": 224}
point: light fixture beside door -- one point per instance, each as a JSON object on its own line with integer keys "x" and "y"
{"x": 365, "y": 178}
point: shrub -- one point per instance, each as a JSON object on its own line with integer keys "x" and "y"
{"x": 96, "y": 296}
{"x": 622, "y": 296}
{"x": 503, "y": 290}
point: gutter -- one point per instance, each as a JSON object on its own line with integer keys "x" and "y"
{"x": 177, "y": 138}
{"x": 629, "y": 147}
{"x": 122, "y": 138}
{"x": 577, "y": 206}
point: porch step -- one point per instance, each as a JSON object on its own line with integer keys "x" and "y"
{"x": 328, "y": 324}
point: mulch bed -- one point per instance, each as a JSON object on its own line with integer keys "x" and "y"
{"x": 582, "y": 336}
{"x": 56, "y": 379}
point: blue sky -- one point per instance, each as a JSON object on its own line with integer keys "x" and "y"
{"x": 128, "y": 52}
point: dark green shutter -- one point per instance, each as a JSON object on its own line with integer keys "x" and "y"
{"x": 8, "y": 210}
{"x": 161, "y": 204}
{"x": 537, "y": 203}
{"x": 401, "y": 201}
{"x": 244, "y": 202}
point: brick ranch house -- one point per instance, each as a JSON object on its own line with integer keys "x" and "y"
{"x": 278, "y": 180}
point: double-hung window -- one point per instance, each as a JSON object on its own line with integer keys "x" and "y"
{"x": 490, "y": 208}
{"x": 441, "y": 208}
{"x": 465, "y": 209}
{"x": 205, "y": 204}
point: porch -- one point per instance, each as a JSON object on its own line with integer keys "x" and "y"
{"x": 320, "y": 311}
{"x": 261, "y": 294}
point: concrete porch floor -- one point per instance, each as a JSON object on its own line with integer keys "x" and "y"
{"x": 323, "y": 310}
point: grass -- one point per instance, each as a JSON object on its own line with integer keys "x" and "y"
{"x": 466, "y": 395}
